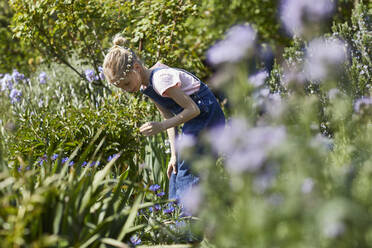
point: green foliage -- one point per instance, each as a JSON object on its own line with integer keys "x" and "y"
{"x": 12, "y": 50}
{"x": 58, "y": 29}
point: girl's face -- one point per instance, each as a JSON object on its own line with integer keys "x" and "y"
{"x": 132, "y": 82}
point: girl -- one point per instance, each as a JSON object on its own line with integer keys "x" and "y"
{"x": 180, "y": 97}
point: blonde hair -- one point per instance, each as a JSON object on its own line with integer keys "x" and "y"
{"x": 118, "y": 61}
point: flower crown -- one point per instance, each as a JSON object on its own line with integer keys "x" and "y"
{"x": 127, "y": 68}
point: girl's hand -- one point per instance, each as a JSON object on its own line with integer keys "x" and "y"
{"x": 172, "y": 166}
{"x": 151, "y": 128}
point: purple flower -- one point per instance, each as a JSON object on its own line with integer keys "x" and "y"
{"x": 364, "y": 102}
{"x": 42, "y": 159}
{"x": 169, "y": 210}
{"x": 161, "y": 194}
{"x": 64, "y": 160}
{"x": 157, "y": 207}
{"x": 154, "y": 187}
{"x": 6, "y": 82}
{"x": 90, "y": 75}
{"x": 239, "y": 40}
{"x": 17, "y": 76}
{"x": 42, "y": 78}
{"x": 19, "y": 169}
{"x": 191, "y": 200}
{"x": 111, "y": 157}
{"x": 294, "y": 12}
{"x": 84, "y": 164}
{"x": 322, "y": 55}
{"x": 245, "y": 148}
{"x": 259, "y": 78}
{"x": 95, "y": 163}
{"x": 54, "y": 156}
{"x": 71, "y": 163}
{"x": 101, "y": 74}
{"x": 307, "y": 186}
{"x": 135, "y": 240}
{"x": 15, "y": 95}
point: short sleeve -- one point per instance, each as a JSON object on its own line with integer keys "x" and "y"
{"x": 165, "y": 79}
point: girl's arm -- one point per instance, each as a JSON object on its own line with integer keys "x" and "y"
{"x": 190, "y": 111}
{"x": 172, "y": 140}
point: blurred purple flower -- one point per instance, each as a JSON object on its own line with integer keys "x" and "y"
{"x": 258, "y": 79}
{"x": 364, "y": 102}
{"x": 7, "y": 82}
{"x": 15, "y": 95}
{"x": 17, "y": 76}
{"x": 42, "y": 78}
{"x": 84, "y": 164}
{"x": 90, "y": 75}
{"x": 185, "y": 141}
{"x": 245, "y": 148}
{"x": 239, "y": 40}
{"x": 293, "y": 13}
{"x": 64, "y": 160}
{"x": 19, "y": 169}
{"x": 154, "y": 187}
{"x": 135, "y": 240}
{"x": 307, "y": 186}
{"x": 71, "y": 163}
{"x": 322, "y": 55}
{"x": 191, "y": 200}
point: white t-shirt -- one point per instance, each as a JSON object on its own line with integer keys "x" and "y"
{"x": 168, "y": 77}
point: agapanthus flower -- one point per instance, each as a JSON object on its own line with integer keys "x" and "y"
{"x": 307, "y": 185}
{"x": 64, "y": 160}
{"x": 84, "y": 164}
{"x": 17, "y": 76}
{"x": 154, "y": 187}
{"x": 54, "y": 156}
{"x": 42, "y": 159}
{"x": 42, "y": 78}
{"x": 6, "y": 82}
{"x": 364, "y": 102}
{"x": 112, "y": 157}
{"x": 161, "y": 194}
{"x": 245, "y": 148}
{"x": 169, "y": 209}
{"x": 259, "y": 78}
{"x": 90, "y": 75}
{"x": 191, "y": 200}
{"x": 15, "y": 95}
{"x": 322, "y": 56}
{"x": 294, "y": 12}
{"x": 157, "y": 207}
{"x": 101, "y": 74}
{"x": 135, "y": 240}
{"x": 95, "y": 163}
{"x": 239, "y": 40}
{"x": 71, "y": 163}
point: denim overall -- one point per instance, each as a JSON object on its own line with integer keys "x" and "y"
{"x": 210, "y": 116}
